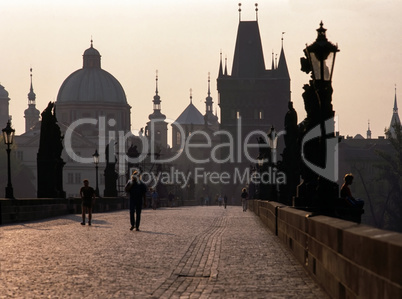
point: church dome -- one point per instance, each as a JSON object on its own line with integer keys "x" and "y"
{"x": 3, "y": 92}
{"x": 91, "y": 84}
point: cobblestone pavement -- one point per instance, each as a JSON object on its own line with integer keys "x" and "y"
{"x": 186, "y": 252}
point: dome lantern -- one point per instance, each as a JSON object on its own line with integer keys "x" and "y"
{"x": 92, "y": 58}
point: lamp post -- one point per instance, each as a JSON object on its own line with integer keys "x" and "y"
{"x": 8, "y": 137}
{"x": 320, "y": 61}
{"x": 96, "y": 162}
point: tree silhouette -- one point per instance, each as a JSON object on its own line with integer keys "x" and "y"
{"x": 391, "y": 173}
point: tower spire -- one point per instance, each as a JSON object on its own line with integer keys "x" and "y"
{"x": 395, "y": 117}
{"x": 209, "y": 84}
{"x": 208, "y": 99}
{"x": 156, "y": 102}
{"x": 256, "y": 12}
{"x": 220, "y": 66}
{"x": 395, "y": 104}
{"x": 239, "y": 12}
{"x": 191, "y": 96}
{"x": 31, "y": 114}
{"x": 156, "y": 91}
{"x": 31, "y": 94}
{"x": 226, "y": 66}
{"x": 368, "y": 131}
{"x": 157, "y": 98}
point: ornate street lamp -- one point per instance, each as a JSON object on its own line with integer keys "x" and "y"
{"x": 96, "y": 162}
{"x": 318, "y": 189}
{"x": 8, "y": 137}
{"x": 321, "y": 56}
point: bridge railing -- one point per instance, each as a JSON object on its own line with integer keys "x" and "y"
{"x": 347, "y": 259}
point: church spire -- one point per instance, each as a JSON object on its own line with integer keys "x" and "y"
{"x": 157, "y": 98}
{"x": 31, "y": 114}
{"x": 395, "y": 117}
{"x": 157, "y": 103}
{"x": 208, "y": 99}
{"x": 226, "y": 66}
{"x": 239, "y": 12}
{"x": 31, "y": 94}
{"x": 191, "y": 96}
{"x": 368, "y": 131}
{"x": 209, "y": 117}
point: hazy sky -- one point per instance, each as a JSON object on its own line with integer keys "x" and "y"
{"x": 182, "y": 39}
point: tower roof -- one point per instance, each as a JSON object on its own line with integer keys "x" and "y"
{"x": 190, "y": 115}
{"x": 248, "y": 61}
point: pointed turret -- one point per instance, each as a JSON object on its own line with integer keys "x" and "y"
{"x": 31, "y": 114}
{"x": 220, "y": 68}
{"x": 395, "y": 117}
{"x": 209, "y": 115}
{"x": 282, "y": 71}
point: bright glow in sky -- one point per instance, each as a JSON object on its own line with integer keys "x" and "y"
{"x": 182, "y": 39}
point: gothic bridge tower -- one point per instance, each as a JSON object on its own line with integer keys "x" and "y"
{"x": 251, "y": 93}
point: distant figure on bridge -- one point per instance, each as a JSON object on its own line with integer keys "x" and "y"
{"x": 137, "y": 191}
{"x": 346, "y": 194}
{"x": 170, "y": 199}
{"x": 87, "y": 194}
{"x": 155, "y": 198}
{"x": 244, "y": 198}
{"x": 220, "y": 199}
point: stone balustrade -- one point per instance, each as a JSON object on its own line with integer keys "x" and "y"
{"x": 347, "y": 259}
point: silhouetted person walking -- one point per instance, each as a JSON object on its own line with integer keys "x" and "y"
{"x": 137, "y": 191}
{"x": 87, "y": 194}
{"x": 244, "y": 197}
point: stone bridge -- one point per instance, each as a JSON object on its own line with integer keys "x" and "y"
{"x": 270, "y": 251}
